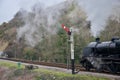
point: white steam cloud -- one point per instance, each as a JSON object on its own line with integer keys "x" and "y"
{"x": 42, "y": 22}
{"x": 98, "y": 11}
{"x": 39, "y": 23}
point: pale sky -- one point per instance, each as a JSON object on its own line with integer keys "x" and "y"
{"x": 8, "y": 8}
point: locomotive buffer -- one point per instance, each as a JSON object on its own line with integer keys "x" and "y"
{"x": 70, "y": 33}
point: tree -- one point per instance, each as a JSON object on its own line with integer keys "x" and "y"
{"x": 112, "y": 29}
{"x": 30, "y": 54}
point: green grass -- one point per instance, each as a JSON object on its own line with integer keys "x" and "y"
{"x": 56, "y": 75}
{"x": 44, "y": 74}
{"x": 11, "y": 65}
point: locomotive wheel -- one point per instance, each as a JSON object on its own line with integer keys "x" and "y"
{"x": 112, "y": 69}
{"x": 99, "y": 70}
{"x": 86, "y": 65}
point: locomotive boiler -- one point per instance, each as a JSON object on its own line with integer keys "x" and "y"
{"x": 102, "y": 55}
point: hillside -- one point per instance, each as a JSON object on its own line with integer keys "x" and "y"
{"x": 37, "y": 35}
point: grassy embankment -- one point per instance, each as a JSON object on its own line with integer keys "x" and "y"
{"x": 20, "y": 73}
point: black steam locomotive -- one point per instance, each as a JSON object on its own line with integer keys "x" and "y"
{"x": 102, "y": 56}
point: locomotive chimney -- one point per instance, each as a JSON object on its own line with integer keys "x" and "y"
{"x": 97, "y": 39}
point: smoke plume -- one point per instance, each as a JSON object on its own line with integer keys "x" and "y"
{"x": 42, "y": 22}
{"x": 98, "y": 11}
{"x": 39, "y": 23}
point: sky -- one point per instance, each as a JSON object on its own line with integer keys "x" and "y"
{"x": 8, "y": 8}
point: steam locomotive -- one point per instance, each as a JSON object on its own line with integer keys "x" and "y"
{"x": 102, "y": 56}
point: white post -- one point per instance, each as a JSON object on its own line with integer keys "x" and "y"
{"x": 72, "y": 43}
{"x": 72, "y": 51}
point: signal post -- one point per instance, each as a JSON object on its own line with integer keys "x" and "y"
{"x": 72, "y": 51}
{"x": 70, "y": 33}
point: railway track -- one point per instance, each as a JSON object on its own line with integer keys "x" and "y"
{"x": 60, "y": 65}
